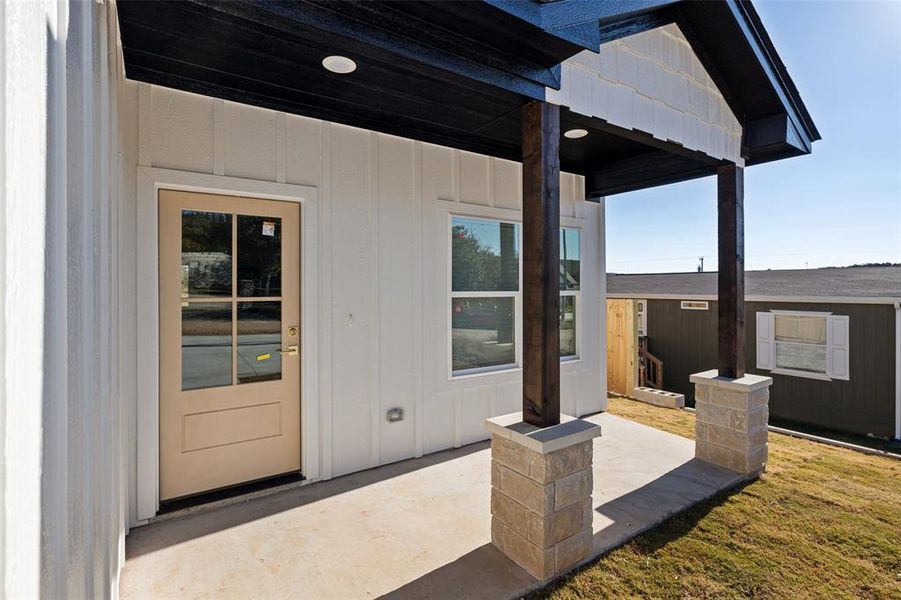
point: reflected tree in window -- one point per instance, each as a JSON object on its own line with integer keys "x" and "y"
{"x": 485, "y": 256}
{"x": 569, "y": 259}
{"x": 206, "y": 253}
{"x": 259, "y": 256}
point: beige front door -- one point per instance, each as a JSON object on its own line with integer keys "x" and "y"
{"x": 229, "y": 318}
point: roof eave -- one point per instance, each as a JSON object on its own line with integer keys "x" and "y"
{"x": 779, "y": 136}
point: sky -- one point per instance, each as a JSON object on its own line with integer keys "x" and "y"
{"x": 839, "y": 206}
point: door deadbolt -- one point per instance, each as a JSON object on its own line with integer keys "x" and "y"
{"x": 292, "y": 330}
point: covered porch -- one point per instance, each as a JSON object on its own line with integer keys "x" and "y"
{"x": 415, "y": 529}
{"x": 524, "y": 82}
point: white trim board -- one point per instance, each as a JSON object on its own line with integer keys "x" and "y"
{"x": 898, "y": 370}
{"x": 149, "y": 182}
{"x": 774, "y": 299}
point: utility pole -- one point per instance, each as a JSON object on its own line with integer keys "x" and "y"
{"x": 701, "y": 266}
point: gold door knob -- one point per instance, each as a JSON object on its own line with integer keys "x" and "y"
{"x": 289, "y": 351}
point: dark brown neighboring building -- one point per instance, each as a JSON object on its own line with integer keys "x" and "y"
{"x": 830, "y": 338}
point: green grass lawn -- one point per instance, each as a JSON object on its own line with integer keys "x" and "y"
{"x": 822, "y": 522}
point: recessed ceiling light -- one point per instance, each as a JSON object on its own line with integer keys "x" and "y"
{"x": 339, "y": 64}
{"x": 575, "y": 134}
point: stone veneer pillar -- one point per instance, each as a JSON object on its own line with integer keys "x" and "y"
{"x": 541, "y": 483}
{"x": 731, "y": 421}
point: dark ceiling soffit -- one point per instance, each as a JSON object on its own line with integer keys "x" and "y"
{"x": 522, "y": 78}
{"x": 665, "y": 161}
{"x": 639, "y": 136}
{"x": 653, "y": 169}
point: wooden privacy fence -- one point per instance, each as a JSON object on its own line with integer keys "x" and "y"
{"x": 622, "y": 346}
{"x": 629, "y": 363}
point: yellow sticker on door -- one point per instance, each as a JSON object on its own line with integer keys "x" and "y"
{"x": 266, "y": 356}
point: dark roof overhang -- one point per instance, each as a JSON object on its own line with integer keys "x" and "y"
{"x": 457, "y": 73}
{"x": 729, "y": 39}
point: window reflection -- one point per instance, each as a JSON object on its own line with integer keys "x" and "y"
{"x": 206, "y": 345}
{"x": 567, "y": 326}
{"x": 485, "y": 255}
{"x": 259, "y": 340}
{"x": 483, "y": 334}
{"x": 569, "y": 259}
{"x": 206, "y": 253}
{"x": 259, "y": 256}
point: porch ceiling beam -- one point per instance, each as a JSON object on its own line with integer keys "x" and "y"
{"x": 654, "y": 168}
{"x": 731, "y": 277}
{"x": 541, "y": 263}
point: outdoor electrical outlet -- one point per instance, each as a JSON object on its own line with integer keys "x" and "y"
{"x": 395, "y": 414}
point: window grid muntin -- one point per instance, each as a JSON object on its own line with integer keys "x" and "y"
{"x": 234, "y": 299}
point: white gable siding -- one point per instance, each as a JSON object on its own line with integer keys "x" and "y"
{"x": 652, "y": 82}
{"x": 384, "y": 206}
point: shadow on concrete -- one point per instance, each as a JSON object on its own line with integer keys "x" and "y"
{"x": 679, "y": 524}
{"x": 650, "y": 505}
{"x": 162, "y": 534}
{"x": 682, "y": 497}
{"x": 483, "y": 573}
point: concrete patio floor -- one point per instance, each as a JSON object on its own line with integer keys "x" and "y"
{"x": 415, "y": 529}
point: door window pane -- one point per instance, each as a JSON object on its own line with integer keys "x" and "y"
{"x": 482, "y": 332}
{"x": 569, "y": 259}
{"x": 259, "y": 340}
{"x": 206, "y": 345}
{"x": 801, "y": 357}
{"x": 567, "y": 326}
{"x": 485, "y": 255}
{"x": 259, "y": 256}
{"x": 206, "y": 254}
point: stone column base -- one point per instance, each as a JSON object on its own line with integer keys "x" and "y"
{"x": 541, "y": 483}
{"x": 731, "y": 421}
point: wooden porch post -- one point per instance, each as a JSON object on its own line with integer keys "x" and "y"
{"x": 541, "y": 263}
{"x": 731, "y": 282}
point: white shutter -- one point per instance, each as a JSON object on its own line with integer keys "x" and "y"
{"x": 766, "y": 354}
{"x": 838, "y": 347}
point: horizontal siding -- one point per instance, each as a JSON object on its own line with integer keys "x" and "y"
{"x": 685, "y": 340}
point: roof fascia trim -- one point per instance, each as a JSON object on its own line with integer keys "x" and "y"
{"x": 577, "y": 20}
{"x": 750, "y": 24}
{"x": 582, "y": 33}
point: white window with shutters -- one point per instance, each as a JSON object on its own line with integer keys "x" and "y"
{"x": 803, "y": 344}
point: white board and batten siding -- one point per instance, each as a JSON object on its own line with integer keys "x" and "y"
{"x": 384, "y": 205}
{"x": 655, "y": 83}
